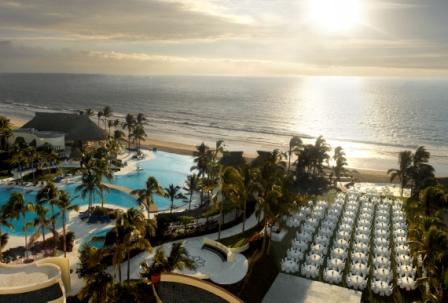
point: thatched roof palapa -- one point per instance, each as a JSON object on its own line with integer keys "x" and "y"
{"x": 76, "y": 127}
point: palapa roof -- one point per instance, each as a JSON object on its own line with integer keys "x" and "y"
{"x": 232, "y": 158}
{"x": 76, "y": 127}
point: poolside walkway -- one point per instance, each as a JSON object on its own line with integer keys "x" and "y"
{"x": 292, "y": 289}
{"x": 135, "y": 261}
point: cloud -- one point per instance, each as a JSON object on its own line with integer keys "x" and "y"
{"x": 28, "y": 59}
{"x": 121, "y": 20}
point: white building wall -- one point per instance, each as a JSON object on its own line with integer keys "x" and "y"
{"x": 57, "y": 142}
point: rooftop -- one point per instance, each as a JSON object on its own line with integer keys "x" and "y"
{"x": 75, "y": 126}
{"x": 40, "y": 134}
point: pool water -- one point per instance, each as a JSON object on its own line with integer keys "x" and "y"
{"x": 167, "y": 168}
{"x": 97, "y": 238}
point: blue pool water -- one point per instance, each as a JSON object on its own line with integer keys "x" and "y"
{"x": 97, "y": 243}
{"x": 167, "y": 168}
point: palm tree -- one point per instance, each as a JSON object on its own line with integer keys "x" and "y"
{"x": 99, "y": 114}
{"x": 421, "y": 173}
{"x": 3, "y": 241}
{"x": 64, "y": 205}
{"x": 127, "y": 235}
{"x": 141, "y": 119}
{"x": 139, "y": 134}
{"x": 191, "y": 186}
{"x": 340, "y": 162}
{"x": 403, "y": 172}
{"x": 16, "y": 207}
{"x": 49, "y": 194}
{"x": 233, "y": 191}
{"x": 92, "y": 269}
{"x": 431, "y": 245}
{"x": 107, "y": 112}
{"x": 89, "y": 112}
{"x": 145, "y": 196}
{"x": 18, "y": 159}
{"x": 31, "y": 154}
{"x": 129, "y": 124}
{"x": 294, "y": 147}
{"x": 5, "y": 131}
{"x": 97, "y": 288}
{"x": 173, "y": 192}
{"x": 178, "y": 259}
{"x": 40, "y": 222}
{"x": 110, "y": 124}
{"x": 90, "y": 185}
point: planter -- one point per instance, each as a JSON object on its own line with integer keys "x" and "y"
{"x": 155, "y": 278}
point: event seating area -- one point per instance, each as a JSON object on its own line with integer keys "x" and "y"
{"x": 358, "y": 241}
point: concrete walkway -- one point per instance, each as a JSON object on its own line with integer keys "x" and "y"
{"x": 292, "y": 289}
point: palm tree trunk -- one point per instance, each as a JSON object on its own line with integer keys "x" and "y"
{"x": 220, "y": 220}
{"x": 191, "y": 197}
{"x": 26, "y": 236}
{"x": 129, "y": 268}
{"x": 119, "y": 272}
{"x": 158, "y": 300}
{"x": 244, "y": 215}
{"x": 289, "y": 159}
{"x": 64, "y": 234}
{"x": 172, "y": 205}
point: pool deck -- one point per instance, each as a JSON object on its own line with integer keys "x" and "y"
{"x": 292, "y": 289}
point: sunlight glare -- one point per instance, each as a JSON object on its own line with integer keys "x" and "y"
{"x": 335, "y": 16}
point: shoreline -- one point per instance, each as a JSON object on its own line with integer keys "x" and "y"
{"x": 360, "y": 174}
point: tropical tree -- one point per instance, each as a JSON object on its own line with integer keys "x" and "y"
{"x": 127, "y": 235}
{"x": 340, "y": 161}
{"x": 31, "y": 155}
{"x": 177, "y": 259}
{"x": 107, "y": 113}
{"x": 139, "y": 134}
{"x": 129, "y": 124}
{"x": 64, "y": 203}
{"x": 89, "y": 112}
{"x": 431, "y": 247}
{"x": 173, "y": 193}
{"x": 295, "y": 145}
{"x": 49, "y": 194}
{"x": 421, "y": 172}
{"x": 41, "y": 222}
{"x": 92, "y": 269}
{"x": 5, "y": 131}
{"x": 402, "y": 173}
{"x": 99, "y": 114}
{"x": 17, "y": 207}
{"x": 233, "y": 191}
{"x": 192, "y": 185}
{"x": 3, "y": 241}
{"x": 18, "y": 159}
{"x": 145, "y": 196}
{"x": 141, "y": 119}
{"x": 95, "y": 168}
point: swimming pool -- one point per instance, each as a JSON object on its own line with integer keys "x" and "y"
{"x": 167, "y": 168}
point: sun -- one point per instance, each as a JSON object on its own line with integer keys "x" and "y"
{"x": 335, "y": 16}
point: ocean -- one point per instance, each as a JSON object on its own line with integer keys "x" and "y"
{"x": 371, "y": 118}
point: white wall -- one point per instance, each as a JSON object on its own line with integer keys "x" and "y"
{"x": 56, "y": 142}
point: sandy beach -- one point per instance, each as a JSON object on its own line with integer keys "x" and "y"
{"x": 360, "y": 175}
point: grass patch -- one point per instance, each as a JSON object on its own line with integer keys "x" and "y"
{"x": 242, "y": 238}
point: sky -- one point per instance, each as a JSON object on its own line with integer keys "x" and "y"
{"x": 225, "y": 37}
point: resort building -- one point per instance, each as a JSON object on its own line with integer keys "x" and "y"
{"x": 34, "y": 137}
{"x": 59, "y": 129}
{"x": 46, "y": 280}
